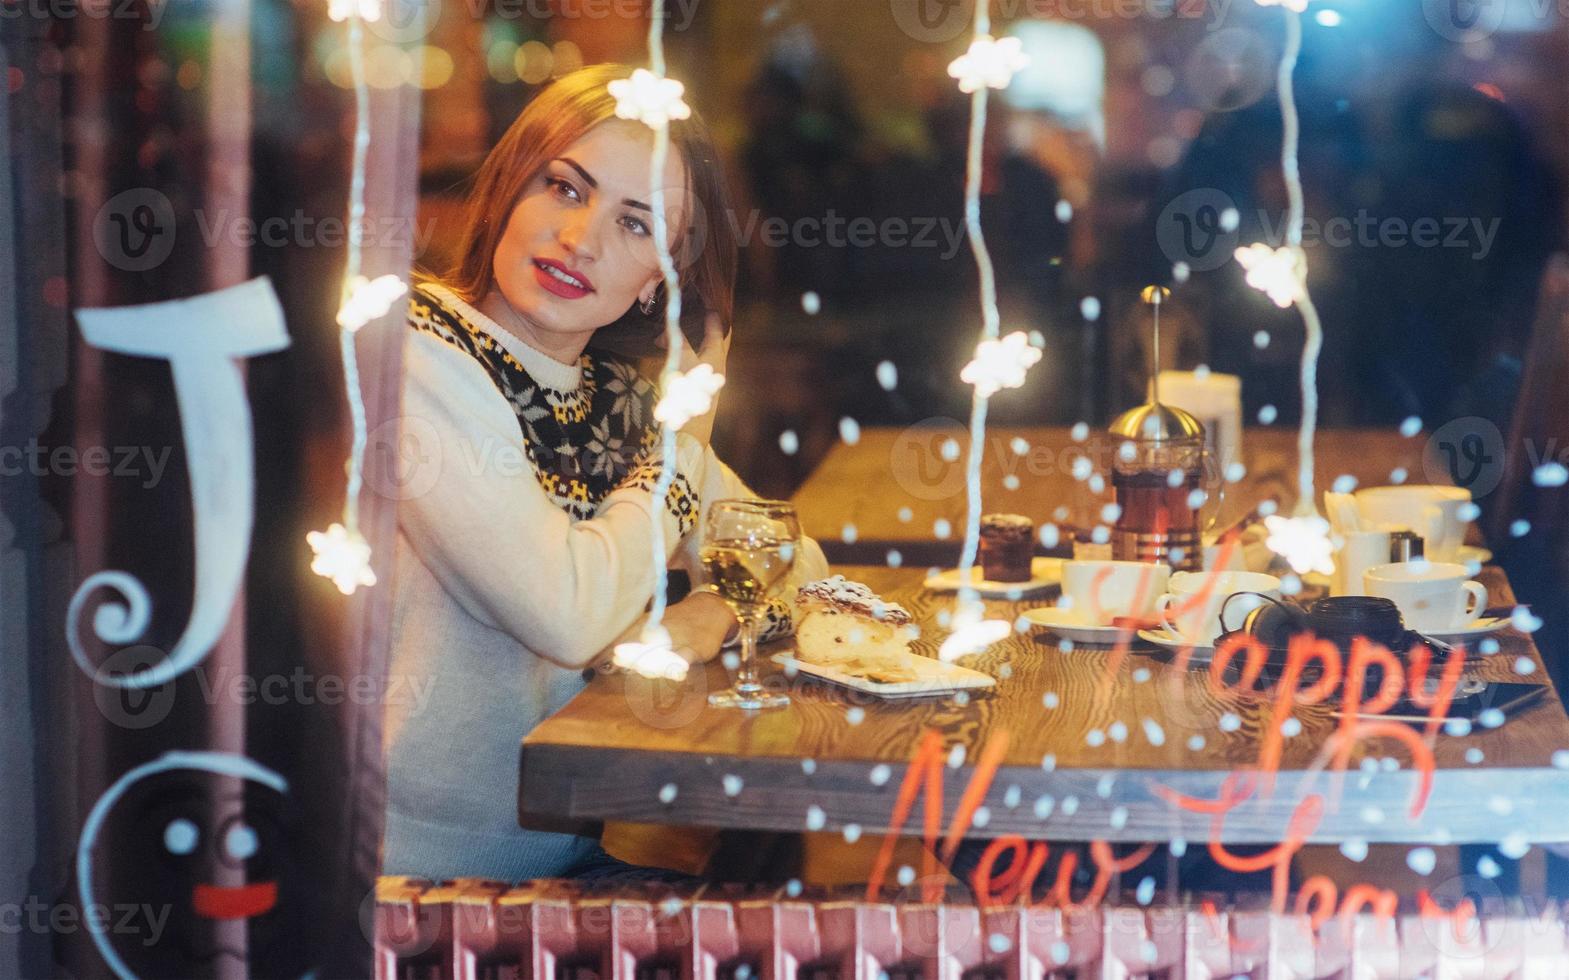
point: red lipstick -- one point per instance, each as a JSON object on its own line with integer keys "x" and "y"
{"x": 554, "y": 276}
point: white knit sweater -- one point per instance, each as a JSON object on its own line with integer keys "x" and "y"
{"x": 502, "y": 599}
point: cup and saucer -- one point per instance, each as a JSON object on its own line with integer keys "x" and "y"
{"x": 1436, "y": 599}
{"x": 1191, "y": 619}
{"x": 1096, "y": 595}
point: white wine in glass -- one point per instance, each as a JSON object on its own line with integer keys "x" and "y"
{"x": 748, "y": 549}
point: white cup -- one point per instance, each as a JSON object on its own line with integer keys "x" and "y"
{"x": 1433, "y": 511}
{"x": 1432, "y": 596}
{"x": 1101, "y": 591}
{"x": 1360, "y": 551}
{"x": 1215, "y": 400}
{"x": 1199, "y": 623}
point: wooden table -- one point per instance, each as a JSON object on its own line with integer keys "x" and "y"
{"x": 892, "y": 487}
{"x": 617, "y": 747}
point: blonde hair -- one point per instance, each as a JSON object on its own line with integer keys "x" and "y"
{"x": 560, "y": 115}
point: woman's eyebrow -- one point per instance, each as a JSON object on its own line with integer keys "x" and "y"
{"x": 588, "y": 179}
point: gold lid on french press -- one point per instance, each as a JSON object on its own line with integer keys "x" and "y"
{"x": 1154, "y": 422}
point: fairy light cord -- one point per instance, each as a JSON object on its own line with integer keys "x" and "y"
{"x": 1291, "y": 169}
{"x": 673, "y": 345}
{"x": 341, "y": 552}
{"x": 990, "y": 317}
{"x": 351, "y": 367}
{"x": 999, "y": 363}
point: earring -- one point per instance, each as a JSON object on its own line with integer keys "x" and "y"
{"x": 647, "y": 306}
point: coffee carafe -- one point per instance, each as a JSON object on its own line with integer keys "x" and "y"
{"x": 1158, "y": 463}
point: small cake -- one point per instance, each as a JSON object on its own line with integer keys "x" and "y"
{"x": 1007, "y": 543}
{"x": 846, "y": 625}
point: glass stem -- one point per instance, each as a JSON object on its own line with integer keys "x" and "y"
{"x": 746, "y": 674}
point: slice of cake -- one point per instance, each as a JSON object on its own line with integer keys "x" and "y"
{"x": 845, "y": 625}
{"x": 1006, "y": 546}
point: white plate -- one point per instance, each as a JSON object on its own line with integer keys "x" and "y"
{"x": 1065, "y": 624}
{"x": 1045, "y": 573}
{"x": 1166, "y": 638}
{"x": 1481, "y": 627}
{"x": 935, "y": 677}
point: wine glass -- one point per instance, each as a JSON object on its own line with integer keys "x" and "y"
{"x": 748, "y": 548}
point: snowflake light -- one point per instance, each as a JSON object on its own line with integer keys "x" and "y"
{"x": 368, "y": 299}
{"x": 1000, "y": 364}
{"x": 342, "y": 556}
{"x": 1296, "y": 6}
{"x": 1279, "y": 273}
{"x": 688, "y": 395}
{"x": 651, "y": 657}
{"x": 990, "y": 62}
{"x": 1303, "y": 541}
{"x": 972, "y": 633}
{"x": 341, "y": 10}
{"x": 650, "y": 99}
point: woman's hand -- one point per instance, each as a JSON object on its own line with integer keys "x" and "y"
{"x": 714, "y": 352}
{"x": 699, "y": 625}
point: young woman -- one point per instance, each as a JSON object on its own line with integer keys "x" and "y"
{"x": 524, "y": 543}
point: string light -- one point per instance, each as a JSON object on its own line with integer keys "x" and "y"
{"x": 972, "y": 632}
{"x": 1279, "y": 273}
{"x": 1289, "y": 279}
{"x": 990, "y": 63}
{"x": 688, "y": 395}
{"x": 655, "y": 100}
{"x": 1303, "y": 541}
{"x": 1000, "y": 364}
{"x": 651, "y": 657}
{"x": 369, "y": 299}
{"x": 650, "y": 99}
{"x": 342, "y": 553}
{"x": 342, "y": 10}
{"x": 987, "y": 65}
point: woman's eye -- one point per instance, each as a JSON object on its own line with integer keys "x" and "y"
{"x": 562, "y": 187}
{"x": 637, "y": 225}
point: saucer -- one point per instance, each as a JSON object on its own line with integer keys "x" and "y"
{"x": 1472, "y": 557}
{"x": 1045, "y": 573}
{"x": 1168, "y": 640}
{"x": 1481, "y": 627}
{"x": 1069, "y": 626}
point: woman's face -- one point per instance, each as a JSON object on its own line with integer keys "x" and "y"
{"x": 578, "y": 249}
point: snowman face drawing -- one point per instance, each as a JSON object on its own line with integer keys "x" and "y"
{"x": 206, "y": 835}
